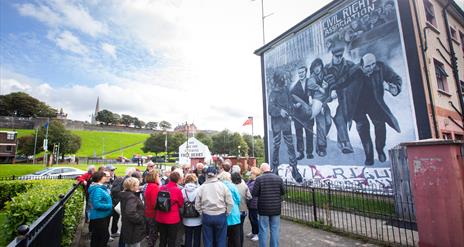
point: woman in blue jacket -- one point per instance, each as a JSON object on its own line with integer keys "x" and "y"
{"x": 101, "y": 208}
{"x": 233, "y": 219}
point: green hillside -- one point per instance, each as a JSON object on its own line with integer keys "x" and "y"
{"x": 97, "y": 141}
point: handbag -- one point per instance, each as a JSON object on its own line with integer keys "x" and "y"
{"x": 117, "y": 208}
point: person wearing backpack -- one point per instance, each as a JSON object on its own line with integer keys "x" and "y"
{"x": 167, "y": 214}
{"x": 151, "y": 192}
{"x": 191, "y": 217}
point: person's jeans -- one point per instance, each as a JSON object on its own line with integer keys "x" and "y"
{"x": 274, "y": 224}
{"x": 233, "y": 235}
{"x": 192, "y": 236}
{"x": 152, "y": 232}
{"x": 168, "y": 234}
{"x": 253, "y": 217}
{"x": 214, "y": 230}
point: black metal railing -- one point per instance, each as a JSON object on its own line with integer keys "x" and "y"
{"x": 369, "y": 212}
{"x": 47, "y": 229}
{"x": 32, "y": 177}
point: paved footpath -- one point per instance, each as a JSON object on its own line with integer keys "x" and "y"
{"x": 292, "y": 235}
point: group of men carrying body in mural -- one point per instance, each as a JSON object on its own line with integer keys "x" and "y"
{"x": 360, "y": 90}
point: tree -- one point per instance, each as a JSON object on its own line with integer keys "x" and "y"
{"x": 237, "y": 141}
{"x": 221, "y": 142}
{"x": 259, "y": 145}
{"x": 154, "y": 143}
{"x": 106, "y": 117}
{"x": 26, "y": 145}
{"x": 138, "y": 123}
{"x": 205, "y": 139}
{"x": 175, "y": 140}
{"x": 116, "y": 119}
{"x": 165, "y": 125}
{"x": 23, "y": 105}
{"x": 127, "y": 120}
{"x": 151, "y": 125}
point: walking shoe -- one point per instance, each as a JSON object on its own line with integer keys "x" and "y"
{"x": 250, "y": 235}
{"x": 255, "y": 238}
{"x": 110, "y": 239}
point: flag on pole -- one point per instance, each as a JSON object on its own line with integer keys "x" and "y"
{"x": 249, "y": 121}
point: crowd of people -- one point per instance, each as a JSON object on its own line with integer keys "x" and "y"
{"x": 183, "y": 206}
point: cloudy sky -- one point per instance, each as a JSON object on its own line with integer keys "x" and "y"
{"x": 174, "y": 60}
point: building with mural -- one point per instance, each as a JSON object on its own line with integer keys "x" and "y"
{"x": 350, "y": 82}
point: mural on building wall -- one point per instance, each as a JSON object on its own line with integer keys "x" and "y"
{"x": 338, "y": 96}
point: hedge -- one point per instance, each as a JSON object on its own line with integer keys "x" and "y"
{"x": 26, "y": 207}
{"x": 9, "y": 189}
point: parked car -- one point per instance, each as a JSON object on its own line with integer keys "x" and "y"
{"x": 64, "y": 172}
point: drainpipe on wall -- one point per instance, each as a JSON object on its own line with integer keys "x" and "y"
{"x": 427, "y": 79}
{"x": 454, "y": 64}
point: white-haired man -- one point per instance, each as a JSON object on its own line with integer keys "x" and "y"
{"x": 269, "y": 188}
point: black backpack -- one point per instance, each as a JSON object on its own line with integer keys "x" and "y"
{"x": 189, "y": 208}
{"x": 163, "y": 201}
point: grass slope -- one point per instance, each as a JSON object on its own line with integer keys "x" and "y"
{"x": 94, "y": 142}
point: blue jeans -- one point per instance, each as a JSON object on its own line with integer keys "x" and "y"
{"x": 274, "y": 223}
{"x": 214, "y": 230}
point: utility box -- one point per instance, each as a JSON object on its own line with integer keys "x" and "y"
{"x": 436, "y": 170}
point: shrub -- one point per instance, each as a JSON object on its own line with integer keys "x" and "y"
{"x": 9, "y": 189}
{"x": 25, "y": 208}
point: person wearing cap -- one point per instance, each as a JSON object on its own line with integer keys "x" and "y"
{"x": 214, "y": 202}
{"x": 337, "y": 73}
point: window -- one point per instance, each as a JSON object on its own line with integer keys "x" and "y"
{"x": 430, "y": 13}
{"x": 441, "y": 76}
{"x": 458, "y": 137}
{"x": 462, "y": 41}
{"x": 447, "y": 136}
{"x": 9, "y": 148}
{"x": 10, "y": 136}
{"x": 462, "y": 89}
{"x": 453, "y": 33}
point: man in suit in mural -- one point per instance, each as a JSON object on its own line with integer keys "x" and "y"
{"x": 299, "y": 93}
{"x": 319, "y": 93}
{"x": 368, "y": 85}
{"x": 280, "y": 108}
{"x": 337, "y": 72}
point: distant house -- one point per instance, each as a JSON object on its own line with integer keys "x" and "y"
{"x": 7, "y": 146}
{"x": 191, "y": 129}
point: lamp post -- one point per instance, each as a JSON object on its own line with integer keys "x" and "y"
{"x": 262, "y": 19}
{"x": 166, "y": 147}
{"x": 239, "y": 150}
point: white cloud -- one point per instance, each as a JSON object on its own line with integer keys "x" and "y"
{"x": 67, "y": 41}
{"x": 110, "y": 49}
{"x": 61, "y": 13}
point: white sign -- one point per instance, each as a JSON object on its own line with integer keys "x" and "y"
{"x": 45, "y": 144}
{"x": 194, "y": 149}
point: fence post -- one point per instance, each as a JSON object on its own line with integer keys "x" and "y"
{"x": 21, "y": 238}
{"x": 13, "y": 177}
{"x": 330, "y": 196}
{"x": 314, "y": 204}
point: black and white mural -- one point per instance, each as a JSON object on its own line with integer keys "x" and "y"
{"x": 338, "y": 96}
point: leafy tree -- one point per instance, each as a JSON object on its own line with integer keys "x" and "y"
{"x": 155, "y": 143}
{"x": 205, "y": 139}
{"x": 26, "y": 145}
{"x": 151, "y": 125}
{"x": 165, "y": 125}
{"x": 23, "y": 105}
{"x": 116, "y": 118}
{"x": 57, "y": 134}
{"x": 259, "y": 145}
{"x": 221, "y": 142}
{"x": 106, "y": 117}
{"x": 138, "y": 123}
{"x": 175, "y": 140}
{"x": 236, "y": 140}
{"x": 127, "y": 120}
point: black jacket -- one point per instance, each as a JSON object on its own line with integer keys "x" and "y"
{"x": 269, "y": 188}
{"x": 133, "y": 221}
